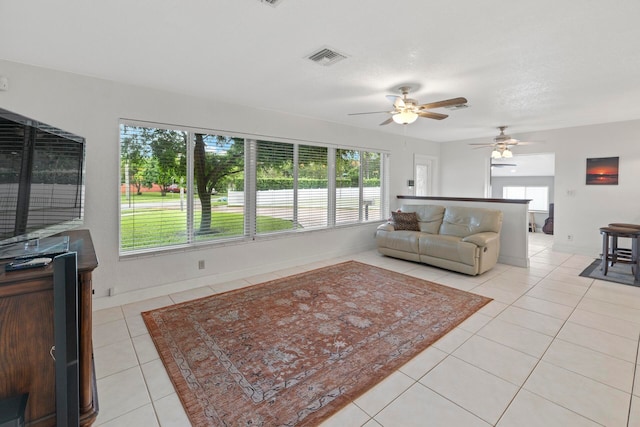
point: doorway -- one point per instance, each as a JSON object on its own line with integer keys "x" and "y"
{"x": 423, "y": 172}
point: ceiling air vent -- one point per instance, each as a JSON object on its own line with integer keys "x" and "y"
{"x": 273, "y": 3}
{"x": 326, "y": 57}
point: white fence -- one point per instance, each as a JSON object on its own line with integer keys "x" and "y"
{"x": 309, "y": 198}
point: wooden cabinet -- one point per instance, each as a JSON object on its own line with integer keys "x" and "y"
{"x": 27, "y": 336}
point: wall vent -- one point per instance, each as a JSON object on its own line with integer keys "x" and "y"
{"x": 273, "y": 3}
{"x": 326, "y": 57}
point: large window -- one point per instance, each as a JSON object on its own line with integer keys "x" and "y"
{"x": 539, "y": 196}
{"x": 358, "y": 186}
{"x": 184, "y": 187}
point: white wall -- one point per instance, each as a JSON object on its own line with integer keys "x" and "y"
{"x": 92, "y": 108}
{"x": 580, "y": 209}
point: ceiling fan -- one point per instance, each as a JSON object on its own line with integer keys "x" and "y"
{"x": 407, "y": 110}
{"x": 501, "y": 145}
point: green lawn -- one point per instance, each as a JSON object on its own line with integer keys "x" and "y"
{"x": 168, "y": 226}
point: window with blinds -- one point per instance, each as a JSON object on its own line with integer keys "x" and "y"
{"x": 218, "y": 196}
{"x": 274, "y": 187}
{"x": 372, "y": 195}
{"x": 313, "y": 187}
{"x": 153, "y": 207}
{"x": 180, "y": 187}
{"x": 348, "y": 194}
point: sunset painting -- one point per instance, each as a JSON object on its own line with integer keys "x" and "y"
{"x": 602, "y": 171}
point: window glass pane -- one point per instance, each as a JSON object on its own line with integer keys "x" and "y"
{"x": 274, "y": 187}
{"x": 153, "y": 169}
{"x": 218, "y": 169}
{"x": 347, "y": 186}
{"x": 513, "y": 193}
{"x": 372, "y": 194}
{"x": 539, "y": 198}
{"x": 312, "y": 186}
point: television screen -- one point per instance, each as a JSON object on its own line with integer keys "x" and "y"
{"x": 41, "y": 179}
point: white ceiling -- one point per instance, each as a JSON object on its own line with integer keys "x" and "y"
{"x": 532, "y": 65}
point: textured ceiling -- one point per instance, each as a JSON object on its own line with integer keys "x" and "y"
{"x": 530, "y": 65}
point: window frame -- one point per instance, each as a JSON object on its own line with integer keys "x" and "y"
{"x": 250, "y": 179}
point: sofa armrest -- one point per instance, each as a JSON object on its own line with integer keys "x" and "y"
{"x": 482, "y": 239}
{"x": 386, "y": 227}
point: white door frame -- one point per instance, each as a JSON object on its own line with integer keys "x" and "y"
{"x": 430, "y": 164}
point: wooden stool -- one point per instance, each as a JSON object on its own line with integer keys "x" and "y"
{"x": 624, "y": 225}
{"x": 532, "y": 222}
{"x": 611, "y": 252}
{"x": 622, "y": 252}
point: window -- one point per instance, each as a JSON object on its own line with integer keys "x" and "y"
{"x": 218, "y": 167}
{"x": 347, "y": 186}
{"x": 153, "y": 168}
{"x": 181, "y": 187}
{"x": 274, "y": 187}
{"x": 358, "y": 188}
{"x": 539, "y": 196}
{"x": 313, "y": 187}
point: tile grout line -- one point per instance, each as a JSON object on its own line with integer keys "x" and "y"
{"x": 633, "y": 382}
{"x": 540, "y": 360}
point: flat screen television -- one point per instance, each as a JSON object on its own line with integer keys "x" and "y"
{"x": 41, "y": 180}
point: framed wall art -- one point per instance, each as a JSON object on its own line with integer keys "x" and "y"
{"x": 602, "y": 171}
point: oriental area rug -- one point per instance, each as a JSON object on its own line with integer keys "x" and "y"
{"x": 293, "y": 351}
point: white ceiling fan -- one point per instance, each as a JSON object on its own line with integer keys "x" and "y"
{"x": 501, "y": 145}
{"x": 407, "y": 110}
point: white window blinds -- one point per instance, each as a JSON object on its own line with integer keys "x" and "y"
{"x": 312, "y": 185}
{"x": 185, "y": 187}
{"x": 274, "y": 187}
{"x": 152, "y": 207}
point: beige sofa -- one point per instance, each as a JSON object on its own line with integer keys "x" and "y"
{"x": 457, "y": 238}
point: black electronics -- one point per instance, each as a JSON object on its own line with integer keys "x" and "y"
{"x": 65, "y": 317}
{"x": 41, "y": 180}
{"x": 12, "y": 410}
{"x": 27, "y": 263}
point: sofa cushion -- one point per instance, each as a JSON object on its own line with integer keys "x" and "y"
{"x": 451, "y": 248}
{"x": 462, "y": 221}
{"x": 405, "y": 221}
{"x": 403, "y": 240}
{"x": 429, "y": 216}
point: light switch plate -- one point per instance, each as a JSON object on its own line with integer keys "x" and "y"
{"x": 4, "y": 83}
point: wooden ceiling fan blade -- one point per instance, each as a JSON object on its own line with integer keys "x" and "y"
{"x": 369, "y": 112}
{"x": 445, "y": 103}
{"x": 432, "y": 115}
{"x": 386, "y": 122}
{"x": 483, "y": 144}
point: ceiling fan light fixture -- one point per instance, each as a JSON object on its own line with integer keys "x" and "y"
{"x": 507, "y": 154}
{"x": 495, "y": 154}
{"x": 405, "y": 117}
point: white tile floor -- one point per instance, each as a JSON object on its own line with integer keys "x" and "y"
{"x": 552, "y": 349}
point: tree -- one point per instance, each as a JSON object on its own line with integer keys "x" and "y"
{"x": 169, "y": 148}
{"x": 134, "y": 158}
{"x": 215, "y": 158}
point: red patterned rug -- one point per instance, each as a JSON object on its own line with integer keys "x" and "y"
{"x": 293, "y": 351}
